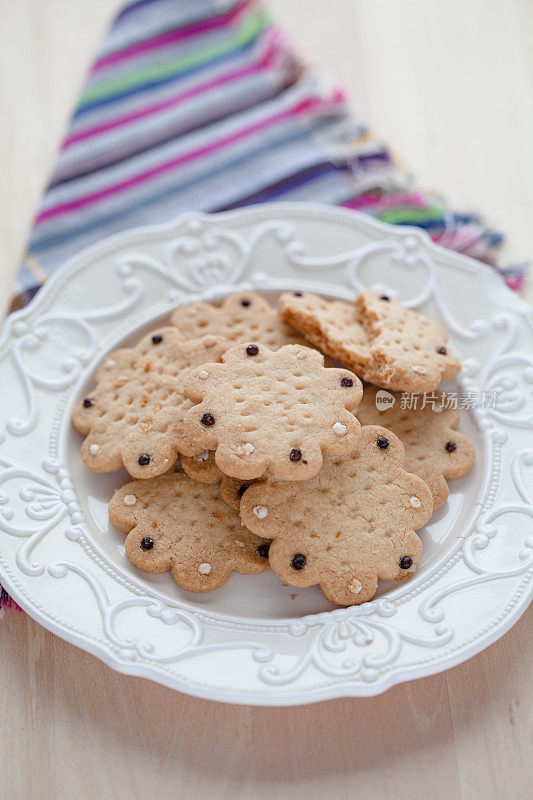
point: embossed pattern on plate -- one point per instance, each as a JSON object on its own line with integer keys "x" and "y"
{"x": 254, "y": 640}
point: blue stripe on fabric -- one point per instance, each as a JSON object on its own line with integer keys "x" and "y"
{"x": 134, "y": 7}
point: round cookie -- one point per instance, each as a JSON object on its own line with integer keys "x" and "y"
{"x": 353, "y": 523}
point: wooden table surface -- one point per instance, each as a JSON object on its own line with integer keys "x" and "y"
{"x": 450, "y": 84}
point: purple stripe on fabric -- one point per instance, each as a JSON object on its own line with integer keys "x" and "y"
{"x": 268, "y": 193}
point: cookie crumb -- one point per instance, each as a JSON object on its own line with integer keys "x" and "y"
{"x": 130, "y": 500}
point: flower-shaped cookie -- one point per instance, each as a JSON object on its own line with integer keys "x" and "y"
{"x": 353, "y": 523}
{"x": 176, "y": 524}
{"x": 242, "y": 317}
{"x": 434, "y": 450}
{"x": 408, "y": 351}
{"x": 271, "y": 412}
{"x": 133, "y": 416}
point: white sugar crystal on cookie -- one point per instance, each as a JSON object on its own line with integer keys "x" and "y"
{"x": 434, "y": 449}
{"x": 347, "y": 527}
{"x": 133, "y": 416}
{"x": 242, "y": 317}
{"x": 179, "y": 525}
{"x": 271, "y": 412}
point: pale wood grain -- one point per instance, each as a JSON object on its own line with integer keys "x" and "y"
{"x": 450, "y": 84}
{"x": 81, "y": 730}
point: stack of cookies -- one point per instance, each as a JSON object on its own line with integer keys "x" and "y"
{"x": 249, "y": 453}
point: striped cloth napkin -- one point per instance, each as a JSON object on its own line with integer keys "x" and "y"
{"x": 205, "y": 105}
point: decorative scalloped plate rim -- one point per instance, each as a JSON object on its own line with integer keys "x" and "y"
{"x": 228, "y": 254}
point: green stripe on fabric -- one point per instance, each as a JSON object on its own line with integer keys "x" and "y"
{"x": 249, "y": 29}
{"x": 399, "y": 216}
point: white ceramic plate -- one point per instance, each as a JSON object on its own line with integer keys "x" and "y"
{"x": 256, "y": 640}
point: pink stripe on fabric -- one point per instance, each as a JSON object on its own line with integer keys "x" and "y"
{"x": 171, "y": 37}
{"x": 413, "y": 199}
{"x": 268, "y": 60}
{"x": 311, "y": 104}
